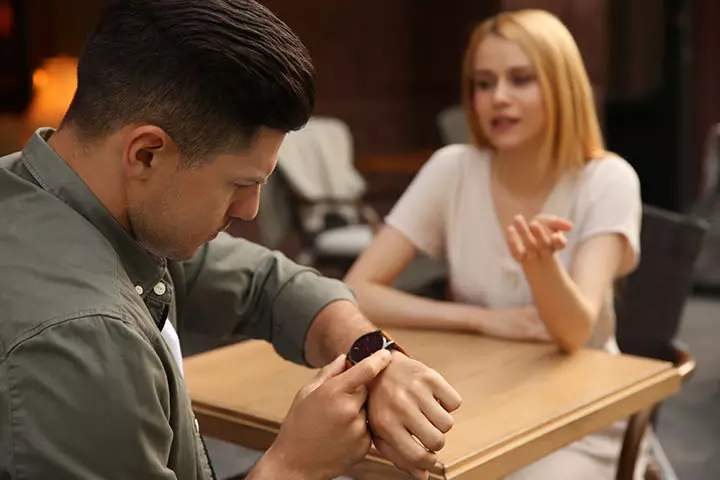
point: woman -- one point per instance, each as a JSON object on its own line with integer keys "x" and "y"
{"x": 535, "y": 219}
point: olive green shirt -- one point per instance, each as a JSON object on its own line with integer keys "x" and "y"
{"x": 88, "y": 387}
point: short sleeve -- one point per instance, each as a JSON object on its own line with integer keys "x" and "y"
{"x": 421, "y": 213}
{"x": 613, "y": 205}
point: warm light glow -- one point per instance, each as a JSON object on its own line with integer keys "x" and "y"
{"x": 41, "y": 78}
{"x": 54, "y": 84}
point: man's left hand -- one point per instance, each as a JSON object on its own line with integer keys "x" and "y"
{"x": 409, "y": 407}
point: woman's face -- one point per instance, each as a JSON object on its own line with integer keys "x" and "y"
{"x": 507, "y": 96}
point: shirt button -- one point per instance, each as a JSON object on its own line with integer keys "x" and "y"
{"x": 139, "y": 289}
{"x": 159, "y": 288}
{"x": 513, "y": 278}
{"x": 197, "y": 426}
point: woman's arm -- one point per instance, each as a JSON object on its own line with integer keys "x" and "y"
{"x": 373, "y": 273}
{"x": 390, "y": 253}
{"x": 568, "y": 302}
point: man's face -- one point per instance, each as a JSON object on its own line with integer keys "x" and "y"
{"x": 173, "y": 211}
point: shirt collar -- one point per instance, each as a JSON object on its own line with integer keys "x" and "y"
{"x": 56, "y": 177}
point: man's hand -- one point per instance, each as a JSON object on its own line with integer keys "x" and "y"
{"x": 409, "y": 409}
{"x": 538, "y": 240}
{"x": 325, "y": 431}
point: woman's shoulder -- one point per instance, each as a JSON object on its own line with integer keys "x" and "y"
{"x": 456, "y": 157}
{"x": 609, "y": 168}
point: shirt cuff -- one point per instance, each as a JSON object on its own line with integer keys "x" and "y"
{"x": 295, "y": 308}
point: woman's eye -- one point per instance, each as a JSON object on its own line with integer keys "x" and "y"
{"x": 522, "y": 79}
{"x": 483, "y": 84}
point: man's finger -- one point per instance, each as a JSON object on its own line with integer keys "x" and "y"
{"x": 408, "y": 448}
{"x": 329, "y": 371}
{"x": 434, "y": 411}
{"x": 365, "y": 371}
{"x": 389, "y": 452}
{"x": 332, "y": 369}
{"x": 422, "y": 428}
{"x": 448, "y": 397}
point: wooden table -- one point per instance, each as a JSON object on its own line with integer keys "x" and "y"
{"x": 520, "y": 401}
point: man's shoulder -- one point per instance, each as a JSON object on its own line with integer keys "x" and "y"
{"x": 54, "y": 263}
{"x": 71, "y": 332}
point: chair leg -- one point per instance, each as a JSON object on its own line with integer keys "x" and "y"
{"x": 637, "y": 426}
{"x": 661, "y": 466}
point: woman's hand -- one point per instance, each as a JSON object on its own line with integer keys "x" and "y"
{"x": 538, "y": 240}
{"x": 523, "y": 324}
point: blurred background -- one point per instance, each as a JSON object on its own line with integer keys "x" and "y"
{"x": 388, "y": 69}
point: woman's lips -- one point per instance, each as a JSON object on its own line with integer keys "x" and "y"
{"x": 503, "y": 124}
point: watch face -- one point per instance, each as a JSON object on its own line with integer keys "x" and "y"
{"x": 366, "y": 346}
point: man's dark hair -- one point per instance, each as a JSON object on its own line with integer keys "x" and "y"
{"x": 209, "y": 72}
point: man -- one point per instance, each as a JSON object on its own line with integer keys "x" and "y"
{"x": 110, "y": 243}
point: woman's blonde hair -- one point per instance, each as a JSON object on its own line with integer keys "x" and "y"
{"x": 573, "y": 134}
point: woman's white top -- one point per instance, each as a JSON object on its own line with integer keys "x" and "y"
{"x": 448, "y": 211}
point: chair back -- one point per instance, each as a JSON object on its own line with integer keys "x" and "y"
{"x": 649, "y": 303}
{"x": 314, "y": 184}
{"x": 453, "y": 125}
{"x": 318, "y": 161}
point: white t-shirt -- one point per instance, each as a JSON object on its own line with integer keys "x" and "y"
{"x": 448, "y": 211}
{"x": 173, "y": 342}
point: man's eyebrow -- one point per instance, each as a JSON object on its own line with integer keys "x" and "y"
{"x": 254, "y": 180}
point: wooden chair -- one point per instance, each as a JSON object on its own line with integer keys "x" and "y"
{"x": 453, "y": 126}
{"x": 318, "y": 194}
{"x": 649, "y": 306}
{"x": 707, "y": 206}
{"x": 339, "y": 239}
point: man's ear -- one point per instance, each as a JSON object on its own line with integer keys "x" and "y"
{"x": 146, "y": 148}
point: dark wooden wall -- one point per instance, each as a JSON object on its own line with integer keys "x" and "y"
{"x": 704, "y": 81}
{"x": 385, "y": 67}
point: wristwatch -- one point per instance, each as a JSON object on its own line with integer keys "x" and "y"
{"x": 370, "y": 343}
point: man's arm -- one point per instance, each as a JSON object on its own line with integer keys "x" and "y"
{"x": 237, "y": 287}
{"x": 84, "y": 399}
{"x": 333, "y": 332}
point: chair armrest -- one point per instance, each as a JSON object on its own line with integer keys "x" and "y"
{"x": 684, "y": 361}
{"x": 366, "y": 212}
{"x": 370, "y": 216}
{"x": 328, "y": 201}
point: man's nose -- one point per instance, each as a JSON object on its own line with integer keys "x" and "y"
{"x": 246, "y": 208}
